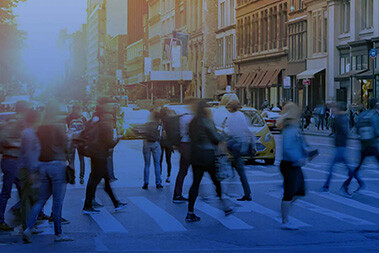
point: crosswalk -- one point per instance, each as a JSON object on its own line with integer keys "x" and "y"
{"x": 315, "y": 211}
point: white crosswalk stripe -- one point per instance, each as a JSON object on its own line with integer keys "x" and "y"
{"x": 369, "y": 194}
{"x": 325, "y": 211}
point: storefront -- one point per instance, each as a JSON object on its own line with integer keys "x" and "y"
{"x": 314, "y": 92}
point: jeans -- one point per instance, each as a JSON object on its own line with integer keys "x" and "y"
{"x": 81, "y": 161}
{"x": 185, "y": 162}
{"x": 152, "y": 148}
{"x": 9, "y": 167}
{"x": 365, "y": 152}
{"x": 234, "y": 146}
{"x": 168, "y": 151}
{"x": 339, "y": 157}
{"x": 29, "y": 193}
{"x": 99, "y": 172}
{"x": 53, "y": 182}
{"x": 198, "y": 174}
{"x": 321, "y": 121}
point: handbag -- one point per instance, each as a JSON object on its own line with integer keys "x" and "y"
{"x": 70, "y": 175}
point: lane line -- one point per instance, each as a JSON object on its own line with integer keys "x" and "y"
{"x": 166, "y": 221}
{"x": 369, "y": 194}
{"x": 324, "y": 172}
{"x": 325, "y": 211}
{"x": 275, "y": 215}
{"x": 230, "y": 221}
{"x": 348, "y": 202}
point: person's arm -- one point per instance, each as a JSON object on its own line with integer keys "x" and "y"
{"x": 212, "y": 132}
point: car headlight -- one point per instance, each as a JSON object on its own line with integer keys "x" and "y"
{"x": 267, "y": 138}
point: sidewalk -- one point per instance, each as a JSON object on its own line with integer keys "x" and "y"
{"x": 312, "y": 130}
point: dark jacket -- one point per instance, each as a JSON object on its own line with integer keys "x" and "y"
{"x": 53, "y": 141}
{"x": 105, "y": 139}
{"x": 11, "y": 136}
{"x": 341, "y": 126}
{"x": 204, "y": 141}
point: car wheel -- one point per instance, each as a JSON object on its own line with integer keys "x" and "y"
{"x": 270, "y": 161}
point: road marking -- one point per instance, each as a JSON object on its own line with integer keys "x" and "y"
{"x": 230, "y": 221}
{"x": 107, "y": 222}
{"x": 369, "y": 193}
{"x": 324, "y": 211}
{"x": 257, "y": 208}
{"x": 348, "y": 202}
{"x": 167, "y": 222}
{"x": 258, "y": 173}
{"x": 323, "y": 171}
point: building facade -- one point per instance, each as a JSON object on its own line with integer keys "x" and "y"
{"x": 262, "y": 49}
{"x": 226, "y": 45}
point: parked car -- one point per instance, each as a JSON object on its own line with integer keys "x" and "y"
{"x": 131, "y": 121}
{"x": 270, "y": 118}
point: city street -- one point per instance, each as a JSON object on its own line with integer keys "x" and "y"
{"x": 151, "y": 222}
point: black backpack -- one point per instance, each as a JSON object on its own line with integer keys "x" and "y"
{"x": 152, "y": 131}
{"x": 88, "y": 138}
{"x": 172, "y": 128}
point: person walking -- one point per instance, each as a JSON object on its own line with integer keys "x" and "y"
{"x": 166, "y": 146}
{"x": 308, "y": 116}
{"x": 239, "y": 142}
{"x": 368, "y": 130}
{"x": 75, "y": 123}
{"x": 52, "y": 159}
{"x": 341, "y": 132}
{"x": 294, "y": 154}
{"x": 101, "y": 140}
{"x": 10, "y": 142}
{"x": 151, "y": 147}
{"x": 204, "y": 141}
{"x": 321, "y": 117}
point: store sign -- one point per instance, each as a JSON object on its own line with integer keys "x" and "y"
{"x": 306, "y": 82}
{"x": 287, "y": 82}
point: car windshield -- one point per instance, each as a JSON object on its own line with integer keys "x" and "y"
{"x": 254, "y": 118}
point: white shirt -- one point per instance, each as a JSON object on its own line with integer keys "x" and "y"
{"x": 185, "y": 120}
{"x": 236, "y": 125}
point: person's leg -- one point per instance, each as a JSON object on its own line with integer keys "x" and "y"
{"x": 110, "y": 166}
{"x": 109, "y": 191}
{"x": 9, "y": 169}
{"x": 183, "y": 168}
{"x": 168, "y": 161}
{"x": 216, "y": 182}
{"x": 336, "y": 159}
{"x": 194, "y": 191}
{"x": 82, "y": 166}
{"x": 353, "y": 174}
{"x": 161, "y": 158}
{"x": 26, "y": 190}
{"x": 58, "y": 176}
{"x": 156, "y": 150}
{"x": 94, "y": 179}
{"x": 147, "y": 159}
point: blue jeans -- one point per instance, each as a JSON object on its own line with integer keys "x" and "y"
{"x": 339, "y": 157}
{"x": 235, "y": 147}
{"x": 9, "y": 167}
{"x": 53, "y": 182}
{"x": 152, "y": 148}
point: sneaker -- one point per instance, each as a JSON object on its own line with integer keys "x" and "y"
{"x": 63, "y": 220}
{"x": 43, "y": 216}
{"x": 120, "y": 206}
{"x": 81, "y": 181}
{"x": 179, "y": 199}
{"x": 345, "y": 191}
{"x": 168, "y": 180}
{"x": 62, "y": 238}
{"x": 5, "y": 227}
{"x": 245, "y": 198}
{"x": 191, "y": 217}
{"x": 27, "y": 236}
{"x": 36, "y": 231}
{"x": 90, "y": 210}
{"x": 324, "y": 189}
{"x": 96, "y": 204}
{"x": 159, "y": 186}
{"x": 289, "y": 226}
{"x": 145, "y": 186}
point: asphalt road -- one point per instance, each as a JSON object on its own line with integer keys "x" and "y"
{"x": 151, "y": 222}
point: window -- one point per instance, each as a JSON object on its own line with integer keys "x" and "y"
{"x": 360, "y": 62}
{"x": 222, "y": 15}
{"x": 367, "y": 12}
{"x": 344, "y": 63}
{"x": 345, "y": 17}
{"x": 319, "y": 30}
{"x": 232, "y": 9}
{"x": 229, "y": 50}
{"x": 220, "y": 52}
{"x": 297, "y": 40}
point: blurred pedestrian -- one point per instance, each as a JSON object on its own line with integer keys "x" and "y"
{"x": 10, "y": 140}
{"x": 341, "y": 126}
{"x": 100, "y": 141}
{"x": 52, "y": 159}
{"x": 151, "y": 147}
{"x": 321, "y": 112}
{"x": 166, "y": 146}
{"x": 240, "y": 140}
{"x": 204, "y": 141}
{"x": 368, "y": 130}
{"x": 294, "y": 154}
{"x": 308, "y": 116}
{"x": 75, "y": 122}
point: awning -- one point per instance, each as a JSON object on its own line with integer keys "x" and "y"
{"x": 309, "y": 73}
{"x": 252, "y": 78}
{"x": 249, "y": 79}
{"x": 274, "y": 78}
{"x": 367, "y": 74}
{"x": 346, "y": 76}
{"x": 241, "y": 80}
{"x": 257, "y": 80}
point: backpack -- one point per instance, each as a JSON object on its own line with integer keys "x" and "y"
{"x": 152, "y": 131}
{"x": 76, "y": 125}
{"x": 88, "y": 139}
{"x": 172, "y": 128}
{"x": 366, "y": 128}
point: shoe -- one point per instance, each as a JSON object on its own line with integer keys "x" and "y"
{"x": 90, "y": 210}
{"x": 5, "y": 227}
{"x": 191, "y": 217}
{"x": 159, "y": 186}
{"x": 228, "y": 212}
{"x": 43, "y": 216}
{"x": 179, "y": 199}
{"x": 81, "y": 181}
{"x": 63, "y": 220}
{"x": 289, "y": 226}
{"x": 145, "y": 186}
{"x": 27, "y": 236}
{"x": 96, "y": 204}
{"x": 168, "y": 180}
{"x": 324, "y": 189}
{"x": 113, "y": 180}
{"x": 345, "y": 191}
{"x": 36, "y": 231}
{"x": 245, "y": 198}
{"x": 62, "y": 238}
{"x": 120, "y": 206}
